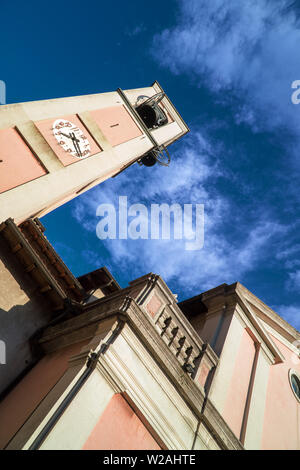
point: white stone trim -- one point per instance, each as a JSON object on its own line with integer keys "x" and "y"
{"x": 294, "y": 372}
{"x": 120, "y": 373}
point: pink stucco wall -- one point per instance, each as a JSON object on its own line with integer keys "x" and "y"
{"x": 282, "y": 412}
{"x": 153, "y": 305}
{"x": 116, "y": 124}
{"x": 18, "y": 165}
{"x": 25, "y": 397}
{"x": 203, "y": 374}
{"x": 119, "y": 428}
{"x": 237, "y": 393}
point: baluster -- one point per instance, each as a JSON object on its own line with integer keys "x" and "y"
{"x": 168, "y": 333}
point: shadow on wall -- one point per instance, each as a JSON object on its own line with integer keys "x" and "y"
{"x": 23, "y": 311}
{"x": 16, "y": 354}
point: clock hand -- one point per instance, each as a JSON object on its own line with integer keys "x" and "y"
{"x": 73, "y": 137}
{"x": 76, "y": 145}
{"x": 70, "y": 136}
{"x": 75, "y": 142}
{"x": 66, "y": 135}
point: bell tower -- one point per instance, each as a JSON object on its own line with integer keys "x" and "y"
{"x": 54, "y": 150}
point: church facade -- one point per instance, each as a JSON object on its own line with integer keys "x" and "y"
{"x": 93, "y": 366}
{"x": 86, "y": 364}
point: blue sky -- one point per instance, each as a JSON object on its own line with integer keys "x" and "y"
{"x": 228, "y": 67}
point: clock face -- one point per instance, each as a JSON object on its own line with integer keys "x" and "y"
{"x": 71, "y": 139}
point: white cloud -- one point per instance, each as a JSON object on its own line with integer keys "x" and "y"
{"x": 134, "y": 31}
{"x": 247, "y": 50}
{"x": 288, "y": 251}
{"x": 291, "y": 313}
{"x": 293, "y": 282}
{"x": 191, "y": 178}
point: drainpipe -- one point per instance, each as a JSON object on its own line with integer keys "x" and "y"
{"x": 90, "y": 366}
{"x": 212, "y": 343}
{"x": 206, "y": 389}
{"x": 196, "y": 434}
{"x": 249, "y": 394}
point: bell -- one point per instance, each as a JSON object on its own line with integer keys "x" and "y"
{"x": 152, "y": 115}
{"x": 149, "y": 159}
{"x": 148, "y": 115}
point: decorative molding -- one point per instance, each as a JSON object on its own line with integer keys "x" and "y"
{"x": 119, "y": 373}
{"x": 267, "y": 314}
{"x": 258, "y": 330}
{"x": 294, "y": 349}
{"x": 296, "y": 373}
{"x": 174, "y": 345}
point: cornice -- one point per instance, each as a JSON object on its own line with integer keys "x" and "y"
{"x": 32, "y": 263}
{"x": 260, "y": 333}
{"x": 269, "y": 315}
